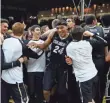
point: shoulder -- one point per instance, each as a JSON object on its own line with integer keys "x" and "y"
{"x": 70, "y": 37}
{"x": 55, "y": 35}
{"x": 9, "y": 40}
{"x": 70, "y": 45}
{"x": 86, "y": 44}
{"x": 31, "y": 41}
{"x": 70, "y": 48}
{"x": 26, "y": 41}
{"x": 100, "y": 28}
{"x": 86, "y": 27}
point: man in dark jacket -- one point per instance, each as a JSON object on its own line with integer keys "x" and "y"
{"x": 98, "y": 53}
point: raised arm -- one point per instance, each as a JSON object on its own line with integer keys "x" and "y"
{"x": 96, "y": 40}
{"x": 46, "y": 34}
{"x": 45, "y": 44}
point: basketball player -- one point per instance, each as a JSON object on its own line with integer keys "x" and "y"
{"x": 56, "y": 71}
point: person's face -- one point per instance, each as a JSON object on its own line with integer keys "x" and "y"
{"x": 95, "y": 22}
{"x": 36, "y": 32}
{"x": 4, "y": 28}
{"x": 47, "y": 28}
{"x": 62, "y": 30}
{"x": 70, "y": 23}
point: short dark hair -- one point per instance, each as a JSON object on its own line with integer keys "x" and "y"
{"x": 77, "y": 33}
{"x": 4, "y": 21}
{"x": 61, "y": 22}
{"x": 33, "y": 27}
{"x": 77, "y": 20}
{"x": 89, "y": 19}
{"x": 105, "y": 19}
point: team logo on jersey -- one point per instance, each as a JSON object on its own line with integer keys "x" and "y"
{"x": 59, "y": 43}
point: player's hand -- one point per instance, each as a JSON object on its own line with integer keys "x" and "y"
{"x": 21, "y": 60}
{"x": 25, "y": 59}
{"x": 32, "y": 45}
{"x": 88, "y": 34}
{"x": 68, "y": 60}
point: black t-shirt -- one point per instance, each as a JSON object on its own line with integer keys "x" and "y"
{"x": 57, "y": 48}
{"x": 97, "y": 51}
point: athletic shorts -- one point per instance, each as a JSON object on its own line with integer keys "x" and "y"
{"x": 87, "y": 89}
{"x": 17, "y": 91}
{"x": 55, "y": 73}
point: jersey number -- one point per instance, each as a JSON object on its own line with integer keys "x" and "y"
{"x": 58, "y": 50}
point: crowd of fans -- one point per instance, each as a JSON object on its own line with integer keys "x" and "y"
{"x": 68, "y": 63}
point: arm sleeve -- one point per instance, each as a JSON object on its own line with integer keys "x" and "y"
{"x": 29, "y": 53}
{"x": 97, "y": 40}
{"x": 5, "y": 65}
